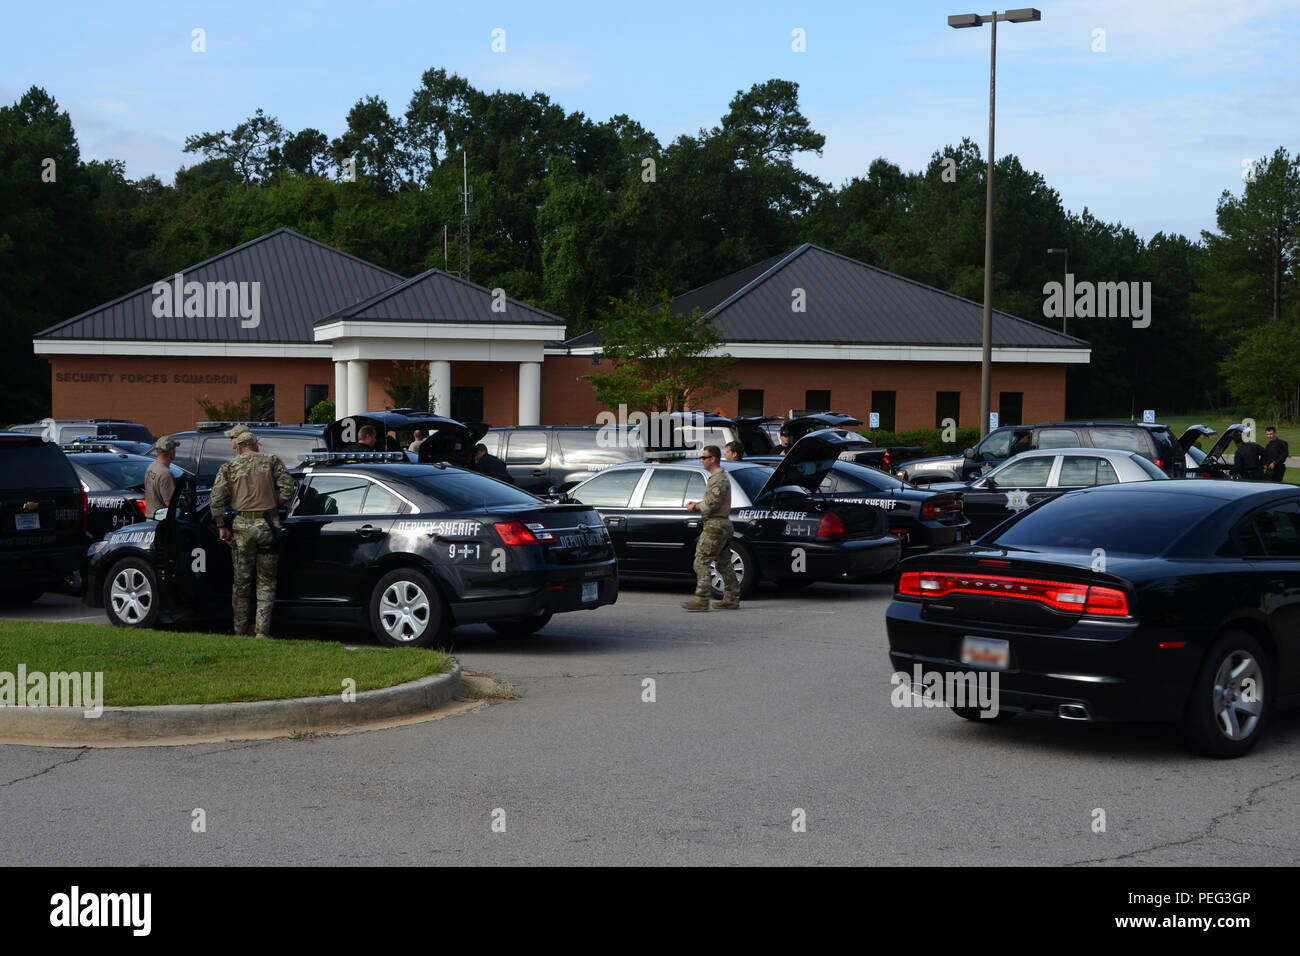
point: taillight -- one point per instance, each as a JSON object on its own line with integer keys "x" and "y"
{"x": 139, "y": 503}
{"x": 514, "y": 533}
{"x": 830, "y": 526}
{"x": 1058, "y": 595}
{"x": 886, "y": 459}
{"x": 1160, "y": 463}
{"x": 85, "y": 510}
{"x": 932, "y": 508}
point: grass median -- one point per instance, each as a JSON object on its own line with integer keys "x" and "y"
{"x": 143, "y": 667}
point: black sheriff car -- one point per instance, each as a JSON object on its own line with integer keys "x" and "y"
{"x": 407, "y": 549}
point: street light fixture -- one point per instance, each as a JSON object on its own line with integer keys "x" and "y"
{"x": 1022, "y": 15}
{"x": 1065, "y": 252}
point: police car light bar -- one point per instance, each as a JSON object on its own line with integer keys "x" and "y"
{"x": 677, "y": 454}
{"x": 88, "y": 447}
{"x": 221, "y": 426}
{"x": 343, "y": 457}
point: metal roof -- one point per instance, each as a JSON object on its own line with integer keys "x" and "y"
{"x": 437, "y": 296}
{"x": 300, "y": 280}
{"x": 848, "y": 302}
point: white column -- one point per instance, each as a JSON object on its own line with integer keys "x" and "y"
{"x": 340, "y": 389}
{"x": 530, "y": 393}
{"x": 440, "y": 387}
{"x": 358, "y": 387}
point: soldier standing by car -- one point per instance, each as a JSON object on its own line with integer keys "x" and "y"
{"x": 1247, "y": 459}
{"x": 1276, "y": 453}
{"x": 234, "y": 433}
{"x": 158, "y": 481}
{"x": 253, "y": 486}
{"x": 715, "y": 537}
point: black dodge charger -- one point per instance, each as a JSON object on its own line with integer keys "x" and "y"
{"x": 408, "y": 550}
{"x": 1155, "y": 601}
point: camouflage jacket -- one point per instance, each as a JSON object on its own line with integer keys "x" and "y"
{"x": 716, "y": 502}
{"x": 251, "y": 482}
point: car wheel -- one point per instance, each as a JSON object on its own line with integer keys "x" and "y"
{"x": 742, "y": 562}
{"x": 520, "y": 626}
{"x": 131, "y": 597}
{"x": 974, "y": 713}
{"x": 1230, "y": 704}
{"x": 406, "y": 610}
{"x": 21, "y": 595}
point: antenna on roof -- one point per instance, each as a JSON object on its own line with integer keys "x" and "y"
{"x": 466, "y": 195}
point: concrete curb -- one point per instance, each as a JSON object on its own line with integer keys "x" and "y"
{"x": 262, "y": 718}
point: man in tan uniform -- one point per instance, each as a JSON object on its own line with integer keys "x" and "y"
{"x": 715, "y": 537}
{"x": 252, "y": 485}
{"x": 158, "y": 481}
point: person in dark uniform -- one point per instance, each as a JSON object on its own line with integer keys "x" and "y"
{"x": 1247, "y": 459}
{"x": 366, "y": 438}
{"x": 785, "y": 441}
{"x": 734, "y": 451}
{"x": 490, "y": 465}
{"x": 1276, "y": 453}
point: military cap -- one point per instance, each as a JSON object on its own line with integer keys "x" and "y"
{"x": 236, "y": 431}
{"x": 163, "y": 444}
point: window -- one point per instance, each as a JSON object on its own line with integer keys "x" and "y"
{"x": 1025, "y": 473}
{"x": 1058, "y": 438}
{"x": 817, "y": 400}
{"x": 467, "y": 403}
{"x": 185, "y": 453}
{"x": 526, "y": 447}
{"x": 288, "y": 447}
{"x": 750, "y": 402}
{"x": 947, "y": 405}
{"x": 1279, "y": 529}
{"x": 381, "y": 501}
{"x": 582, "y": 446}
{"x": 612, "y": 489}
{"x": 667, "y": 488}
{"x": 694, "y": 487}
{"x": 995, "y": 446}
{"x": 334, "y": 495}
{"x": 883, "y": 403}
{"x": 455, "y": 490}
{"x": 313, "y": 395}
{"x": 1011, "y": 408}
{"x": 492, "y": 442}
{"x": 1120, "y": 439}
{"x": 1086, "y": 521}
{"x": 1084, "y": 471}
{"x": 261, "y": 403}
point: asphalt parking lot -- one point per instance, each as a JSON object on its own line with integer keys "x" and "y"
{"x": 780, "y": 707}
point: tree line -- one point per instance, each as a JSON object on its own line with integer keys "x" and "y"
{"x": 586, "y": 218}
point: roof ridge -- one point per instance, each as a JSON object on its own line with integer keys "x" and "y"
{"x": 760, "y": 278}
{"x": 424, "y": 276}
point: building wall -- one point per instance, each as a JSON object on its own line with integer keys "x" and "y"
{"x": 156, "y": 392}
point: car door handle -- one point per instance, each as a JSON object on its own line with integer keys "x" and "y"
{"x": 368, "y": 531}
{"x": 613, "y": 521}
{"x": 692, "y": 524}
{"x": 538, "y": 473}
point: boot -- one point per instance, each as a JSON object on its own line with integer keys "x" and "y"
{"x": 696, "y": 604}
{"x": 727, "y": 604}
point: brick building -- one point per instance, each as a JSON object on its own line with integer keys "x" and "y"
{"x": 293, "y": 321}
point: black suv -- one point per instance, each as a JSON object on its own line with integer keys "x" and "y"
{"x": 43, "y": 517}
{"x": 203, "y": 450}
{"x": 71, "y": 429}
{"x": 1156, "y": 443}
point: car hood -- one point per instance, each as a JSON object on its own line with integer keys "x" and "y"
{"x": 809, "y": 459}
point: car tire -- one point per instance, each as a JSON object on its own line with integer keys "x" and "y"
{"x": 746, "y": 572}
{"x": 522, "y": 626}
{"x": 974, "y": 713}
{"x": 131, "y": 595}
{"x": 1221, "y": 719}
{"x": 406, "y": 610}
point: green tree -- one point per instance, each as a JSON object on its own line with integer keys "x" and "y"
{"x": 248, "y": 147}
{"x": 663, "y": 361}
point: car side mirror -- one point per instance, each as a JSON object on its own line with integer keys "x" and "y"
{"x": 969, "y": 453}
{"x": 989, "y": 484}
{"x": 160, "y": 514}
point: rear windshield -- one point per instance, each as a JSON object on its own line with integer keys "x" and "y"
{"x": 26, "y": 467}
{"x": 867, "y": 477}
{"x": 751, "y": 480}
{"x": 117, "y": 473}
{"x": 459, "y": 490}
{"x": 1119, "y": 522}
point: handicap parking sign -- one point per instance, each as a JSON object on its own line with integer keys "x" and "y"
{"x": 1149, "y": 416}
{"x": 993, "y": 420}
{"x": 875, "y": 420}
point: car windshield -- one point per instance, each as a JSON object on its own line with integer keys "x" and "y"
{"x": 1118, "y": 522}
{"x": 465, "y": 491}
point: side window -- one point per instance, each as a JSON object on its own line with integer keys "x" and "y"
{"x": 583, "y": 446}
{"x": 1084, "y": 471}
{"x": 995, "y": 446}
{"x": 526, "y": 447}
{"x": 214, "y": 451}
{"x": 1279, "y": 530}
{"x": 1025, "y": 474}
{"x": 288, "y": 447}
{"x": 829, "y": 484}
{"x": 185, "y": 453}
{"x": 694, "y": 487}
{"x": 492, "y": 442}
{"x": 667, "y": 489}
{"x": 339, "y": 495}
{"x": 1058, "y": 438}
{"x": 381, "y": 501}
{"x": 1120, "y": 439}
{"x": 610, "y": 489}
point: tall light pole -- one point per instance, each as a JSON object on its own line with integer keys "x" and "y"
{"x": 1023, "y": 15}
{"x": 1065, "y": 252}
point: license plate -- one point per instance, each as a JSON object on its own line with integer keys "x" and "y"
{"x": 986, "y": 652}
{"x": 27, "y": 522}
{"x": 590, "y": 591}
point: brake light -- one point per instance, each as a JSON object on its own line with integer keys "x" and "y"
{"x": 85, "y": 510}
{"x": 1160, "y": 463}
{"x": 943, "y": 506}
{"x": 139, "y": 503}
{"x": 514, "y": 533}
{"x": 886, "y": 459}
{"x": 1058, "y": 595}
{"x": 830, "y": 526}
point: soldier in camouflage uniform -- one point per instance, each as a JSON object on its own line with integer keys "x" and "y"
{"x": 715, "y": 537}
{"x": 253, "y": 485}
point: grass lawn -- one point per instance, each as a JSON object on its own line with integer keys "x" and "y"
{"x": 173, "y": 667}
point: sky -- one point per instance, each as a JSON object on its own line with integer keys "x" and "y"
{"x": 1141, "y": 110}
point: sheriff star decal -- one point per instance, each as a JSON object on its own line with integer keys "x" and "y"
{"x": 1017, "y": 500}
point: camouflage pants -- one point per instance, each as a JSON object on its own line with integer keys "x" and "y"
{"x": 255, "y": 566}
{"x": 713, "y": 548}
